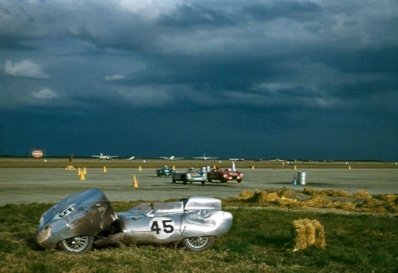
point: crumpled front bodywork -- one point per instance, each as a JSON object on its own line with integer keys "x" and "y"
{"x": 83, "y": 213}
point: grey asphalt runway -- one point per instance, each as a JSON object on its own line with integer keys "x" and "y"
{"x": 43, "y": 185}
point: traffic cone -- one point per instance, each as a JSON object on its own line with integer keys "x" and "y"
{"x": 140, "y": 168}
{"x": 135, "y": 182}
{"x": 252, "y": 167}
{"x": 174, "y": 168}
{"x": 295, "y": 167}
{"x": 82, "y": 176}
{"x": 349, "y": 167}
{"x": 84, "y": 170}
{"x": 105, "y": 169}
{"x": 79, "y": 172}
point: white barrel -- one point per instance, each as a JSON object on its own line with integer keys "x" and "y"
{"x": 301, "y": 178}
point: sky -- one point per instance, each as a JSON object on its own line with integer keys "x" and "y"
{"x": 254, "y": 79}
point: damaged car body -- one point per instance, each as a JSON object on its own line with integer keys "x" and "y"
{"x": 86, "y": 218}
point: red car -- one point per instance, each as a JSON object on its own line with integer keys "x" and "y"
{"x": 224, "y": 175}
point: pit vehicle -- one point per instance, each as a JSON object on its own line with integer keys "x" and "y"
{"x": 86, "y": 218}
{"x": 224, "y": 175}
{"x": 165, "y": 171}
{"x": 191, "y": 175}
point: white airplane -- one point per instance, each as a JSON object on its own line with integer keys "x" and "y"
{"x": 204, "y": 157}
{"x": 171, "y": 157}
{"x": 131, "y": 158}
{"x": 236, "y": 159}
{"x": 105, "y": 157}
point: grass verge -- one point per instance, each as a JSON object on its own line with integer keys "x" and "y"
{"x": 260, "y": 241}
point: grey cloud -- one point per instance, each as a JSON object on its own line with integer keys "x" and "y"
{"x": 45, "y": 94}
{"x": 270, "y": 64}
{"x": 114, "y": 77}
{"x": 25, "y": 68}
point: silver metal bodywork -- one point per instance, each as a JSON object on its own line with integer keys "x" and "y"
{"x": 190, "y": 175}
{"x": 90, "y": 213}
{"x": 83, "y": 213}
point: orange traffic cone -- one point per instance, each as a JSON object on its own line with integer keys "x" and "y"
{"x": 135, "y": 182}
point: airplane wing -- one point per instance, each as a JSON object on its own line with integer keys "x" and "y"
{"x": 205, "y": 157}
{"x": 171, "y": 157}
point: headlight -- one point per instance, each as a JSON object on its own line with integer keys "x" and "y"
{"x": 43, "y": 235}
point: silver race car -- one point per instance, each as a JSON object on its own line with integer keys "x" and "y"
{"x": 86, "y": 218}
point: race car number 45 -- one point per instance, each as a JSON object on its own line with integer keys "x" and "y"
{"x": 162, "y": 227}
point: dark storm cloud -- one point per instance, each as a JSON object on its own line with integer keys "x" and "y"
{"x": 272, "y": 69}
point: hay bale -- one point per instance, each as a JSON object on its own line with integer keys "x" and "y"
{"x": 308, "y": 233}
{"x": 390, "y": 198}
{"x": 268, "y": 197}
{"x": 338, "y": 193}
{"x": 246, "y": 195}
{"x": 291, "y": 194}
{"x": 362, "y": 194}
{"x": 319, "y": 201}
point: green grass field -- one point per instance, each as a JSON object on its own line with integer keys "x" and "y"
{"x": 261, "y": 240}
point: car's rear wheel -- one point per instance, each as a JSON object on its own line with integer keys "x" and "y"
{"x": 77, "y": 244}
{"x": 198, "y": 244}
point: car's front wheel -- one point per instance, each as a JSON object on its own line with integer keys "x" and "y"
{"x": 77, "y": 244}
{"x": 200, "y": 243}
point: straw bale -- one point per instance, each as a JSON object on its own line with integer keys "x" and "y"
{"x": 344, "y": 205}
{"x": 268, "y": 197}
{"x": 319, "y": 201}
{"x": 308, "y": 233}
{"x": 390, "y": 198}
{"x": 337, "y": 193}
{"x": 246, "y": 195}
{"x": 362, "y": 194}
{"x": 293, "y": 195}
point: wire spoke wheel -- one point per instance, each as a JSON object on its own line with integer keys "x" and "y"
{"x": 77, "y": 244}
{"x": 200, "y": 243}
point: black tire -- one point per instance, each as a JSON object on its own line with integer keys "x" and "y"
{"x": 77, "y": 244}
{"x": 184, "y": 180}
{"x": 173, "y": 180}
{"x": 198, "y": 244}
{"x": 203, "y": 182}
{"x": 239, "y": 180}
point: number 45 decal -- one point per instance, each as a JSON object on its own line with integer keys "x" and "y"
{"x": 162, "y": 227}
